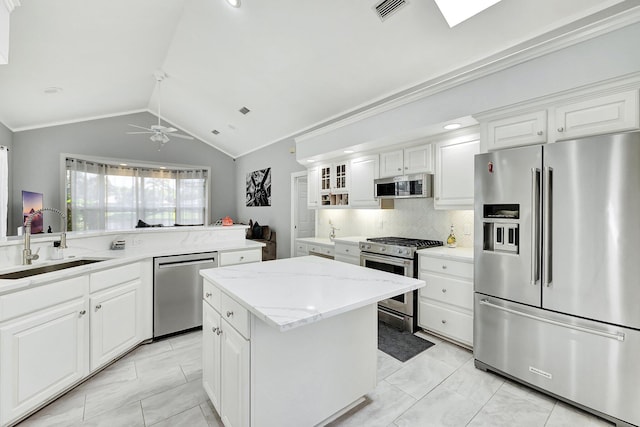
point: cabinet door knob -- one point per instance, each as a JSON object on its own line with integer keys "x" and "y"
{"x": 207, "y": 295}
{"x": 444, "y": 321}
{"x": 399, "y": 169}
{"x": 406, "y": 167}
{"x": 444, "y": 291}
{"x": 346, "y": 250}
{"x": 560, "y": 129}
{"x": 98, "y": 307}
{"x": 82, "y": 313}
{"x": 229, "y": 313}
{"x": 214, "y": 330}
{"x": 444, "y": 267}
{"x": 219, "y": 331}
{"x": 241, "y": 258}
{"x": 540, "y": 132}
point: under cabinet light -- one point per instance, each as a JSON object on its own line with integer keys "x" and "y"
{"x": 452, "y": 126}
{"x": 348, "y": 151}
{"x": 234, "y": 3}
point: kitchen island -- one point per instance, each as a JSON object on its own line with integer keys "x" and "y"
{"x": 292, "y": 342}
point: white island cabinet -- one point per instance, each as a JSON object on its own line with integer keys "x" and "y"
{"x": 292, "y": 342}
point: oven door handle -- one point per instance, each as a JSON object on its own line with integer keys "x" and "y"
{"x": 406, "y": 263}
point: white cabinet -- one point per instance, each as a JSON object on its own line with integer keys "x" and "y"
{"x": 240, "y": 257}
{"x": 364, "y": 171}
{"x": 348, "y": 252}
{"x": 454, "y": 177}
{"x": 42, "y": 354}
{"x": 445, "y": 304}
{"x": 313, "y": 187}
{"x": 115, "y": 322}
{"x": 234, "y": 377}
{"x": 301, "y": 249}
{"x": 334, "y": 184}
{"x": 410, "y": 160}
{"x": 225, "y": 358}
{"x": 523, "y": 129}
{"x": 605, "y": 114}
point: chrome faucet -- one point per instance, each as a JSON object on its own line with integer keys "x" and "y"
{"x": 27, "y": 256}
{"x": 332, "y": 235}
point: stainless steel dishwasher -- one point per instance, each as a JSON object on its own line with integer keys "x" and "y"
{"x": 177, "y": 291}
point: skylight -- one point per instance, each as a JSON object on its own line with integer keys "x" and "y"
{"x": 456, "y": 11}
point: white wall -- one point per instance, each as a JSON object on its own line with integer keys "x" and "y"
{"x": 36, "y": 159}
{"x": 6, "y": 139}
{"x": 278, "y": 215}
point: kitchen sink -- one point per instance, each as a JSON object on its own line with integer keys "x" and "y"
{"x": 28, "y": 272}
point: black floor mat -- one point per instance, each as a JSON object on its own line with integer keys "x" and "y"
{"x": 400, "y": 345}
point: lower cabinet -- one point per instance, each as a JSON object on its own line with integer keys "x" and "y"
{"x": 115, "y": 326}
{"x": 240, "y": 257}
{"x": 54, "y": 335}
{"x": 225, "y": 368}
{"x": 42, "y": 355}
{"x": 445, "y": 304}
{"x": 347, "y": 252}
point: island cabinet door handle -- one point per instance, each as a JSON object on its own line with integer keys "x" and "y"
{"x": 207, "y": 295}
{"x": 214, "y": 330}
{"x": 229, "y": 313}
{"x": 444, "y": 290}
{"x": 219, "y": 331}
{"x": 444, "y": 321}
{"x": 98, "y": 307}
{"x": 82, "y": 313}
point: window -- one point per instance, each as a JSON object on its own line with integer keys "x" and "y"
{"x": 105, "y": 196}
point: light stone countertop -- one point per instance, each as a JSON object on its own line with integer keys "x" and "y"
{"x": 292, "y": 292}
{"x": 459, "y": 254}
{"x": 350, "y": 240}
{"x": 317, "y": 241}
{"x": 114, "y": 258}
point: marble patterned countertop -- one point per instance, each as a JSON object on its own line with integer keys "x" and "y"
{"x": 460, "y": 254}
{"x": 292, "y": 292}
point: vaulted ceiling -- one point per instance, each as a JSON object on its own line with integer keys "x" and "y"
{"x": 293, "y": 63}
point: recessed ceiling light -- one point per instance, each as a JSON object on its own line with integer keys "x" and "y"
{"x": 311, "y": 160}
{"x": 52, "y": 90}
{"x": 456, "y": 11}
{"x": 452, "y": 126}
{"x": 123, "y": 164}
{"x": 163, "y": 167}
{"x": 234, "y": 3}
{"x": 348, "y": 151}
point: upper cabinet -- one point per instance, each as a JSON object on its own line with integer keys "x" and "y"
{"x": 453, "y": 181}
{"x": 363, "y": 172}
{"x": 613, "y": 113}
{"x": 313, "y": 187}
{"x": 407, "y": 161}
{"x": 334, "y": 184}
{"x": 523, "y": 129}
{"x": 561, "y": 119}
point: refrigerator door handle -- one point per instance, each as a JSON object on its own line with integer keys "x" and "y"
{"x": 613, "y": 335}
{"x": 547, "y": 268}
{"x": 535, "y": 225}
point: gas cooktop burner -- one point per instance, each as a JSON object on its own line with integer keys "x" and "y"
{"x": 404, "y": 241}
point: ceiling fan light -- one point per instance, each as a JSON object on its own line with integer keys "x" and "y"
{"x": 234, "y": 3}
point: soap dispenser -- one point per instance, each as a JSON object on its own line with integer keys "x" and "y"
{"x": 451, "y": 240}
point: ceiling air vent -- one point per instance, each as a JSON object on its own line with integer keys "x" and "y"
{"x": 215, "y": 132}
{"x": 386, "y": 8}
{"x": 244, "y": 110}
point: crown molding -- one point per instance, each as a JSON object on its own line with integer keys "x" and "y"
{"x": 521, "y": 53}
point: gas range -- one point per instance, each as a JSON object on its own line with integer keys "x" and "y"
{"x": 400, "y": 247}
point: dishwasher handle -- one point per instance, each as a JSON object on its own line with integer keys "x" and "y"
{"x": 183, "y": 263}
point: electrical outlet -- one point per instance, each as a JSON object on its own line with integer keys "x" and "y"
{"x": 467, "y": 229}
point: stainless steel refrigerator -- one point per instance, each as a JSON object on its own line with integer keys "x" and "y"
{"x": 557, "y": 270}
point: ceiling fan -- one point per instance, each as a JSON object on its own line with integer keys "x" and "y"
{"x": 159, "y": 133}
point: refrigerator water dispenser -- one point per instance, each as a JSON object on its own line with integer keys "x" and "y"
{"x": 501, "y": 229}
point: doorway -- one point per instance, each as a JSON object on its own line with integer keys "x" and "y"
{"x": 303, "y": 219}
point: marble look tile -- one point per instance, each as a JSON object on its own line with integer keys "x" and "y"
{"x": 192, "y": 370}
{"x": 383, "y": 405}
{"x": 450, "y": 354}
{"x": 420, "y": 375}
{"x": 119, "y": 372}
{"x": 512, "y": 406}
{"x": 427, "y": 336}
{"x": 129, "y": 415}
{"x": 147, "y": 350}
{"x": 186, "y": 339}
{"x": 173, "y": 401}
{"x": 168, "y": 359}
{"x": 66, "y": 410}
{"x": 387, "y": 365}
{"x": 441, "y": 407}
{"x": 564, "y": 415}
{"x": 190, "y": 418}
{"x": 473, "y": 384}
{"x": 210, "y": 414}
{"x": 114, "y": 396}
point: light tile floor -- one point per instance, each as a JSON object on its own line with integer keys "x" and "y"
{"x": 159, "y": 384}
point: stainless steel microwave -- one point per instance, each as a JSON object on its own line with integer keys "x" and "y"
{"x": 405, "y": 186}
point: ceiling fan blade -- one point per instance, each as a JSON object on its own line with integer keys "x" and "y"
{"x": 169, "y": 130}
{"x": 177, "y": 135}
{"x": 136, "y": 133}
{"x": 139, "y": 127}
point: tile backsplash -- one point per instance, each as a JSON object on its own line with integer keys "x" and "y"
{"x": 410, "y": 218}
